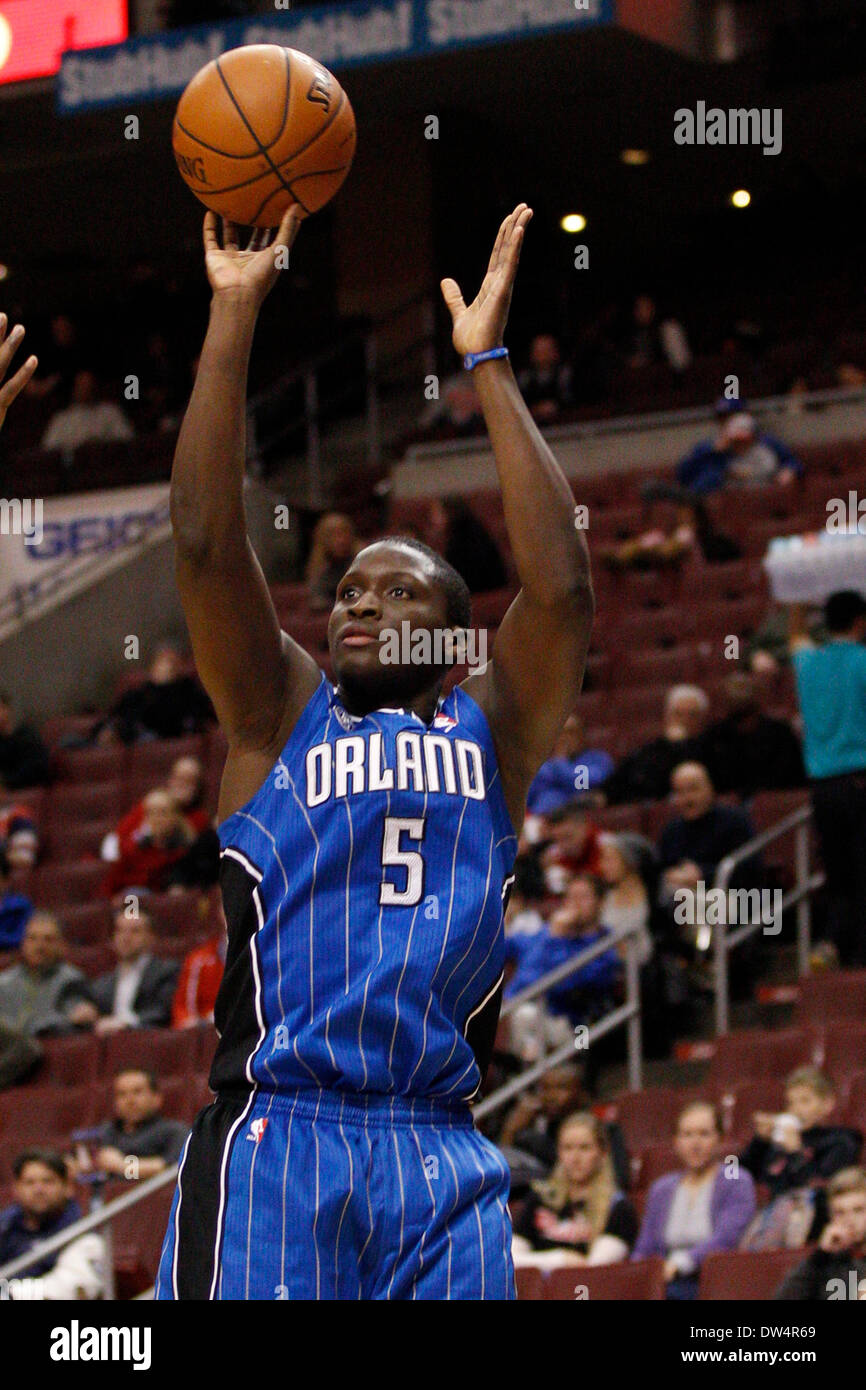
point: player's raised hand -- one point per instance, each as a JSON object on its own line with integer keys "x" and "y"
{"x": 8, "y": 347}
{"x": 481, "y": 325}
{"x": 250, "y": 272}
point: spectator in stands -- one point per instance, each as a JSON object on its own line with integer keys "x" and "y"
{"x": 546, "y": 382}
{"x": 15, "y": 909}
{"x": 523, "y": 909}
{"x": 185, "y": 784}
{"x": 649, "y": 341}
{"x": 44, "y": 1206}
{"x": 87, "y": 419}
{"x": 747, "y": 751}
{"x": 767, "y": 651}
{"x": 335, "y": 544}
{"x": 168, "y": 704}
{"x": 645, "y": 774}
{"x": 151, "y": 852}
{"x": 836, "y": 1269}
{"x": 798, "y": 1151}
{"x": 138, "y": 993}
{"x": 571, "y": 767}
{"x": 39, "y": 994}
{"x": 59, "y": 360}
{"x": 831, "y": 687}
{"x": 703, "y": 831}
{"x": 579, "y": 1210}
{"x": 572, "y": 845}
{"x": 457, "y": 407}
{"x": 137, "y": 1132}
{"x": 627, "y": 867}
{"x": 24, "y": 759}
{"x": 532, "y": 1125}
{"x": 581, "y": 996}
{"x": 19, "y": 838}
{"x": 738, "y": 456}
{"x": 456, "y": 532}
{"x": 702, "y": 1208}
{"x": 198, "y": 985}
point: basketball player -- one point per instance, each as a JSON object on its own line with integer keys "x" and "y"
{"x": 368, "y": 831}
{"x": 8, "y": 347}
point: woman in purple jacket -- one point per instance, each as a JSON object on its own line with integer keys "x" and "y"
{"x": 704, "y": 1207}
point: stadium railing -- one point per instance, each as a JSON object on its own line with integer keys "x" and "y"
{"x": 627, "y": 1013}
{"x": 805, "y": 884}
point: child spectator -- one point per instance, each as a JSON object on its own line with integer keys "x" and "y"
{"x": 698, "y": 1210}
{"x": 836, "y": 1269}
{"x": 578, "y": 1215}
{"x": 798, "y": 1149}
{"x": 44, "y": 1206}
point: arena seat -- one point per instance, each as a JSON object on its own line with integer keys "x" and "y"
{"x": 648, "y": 1117}
{"x": 86, "y": 801}
{"x": 153, "y": 759}
{"x": 206, "y": 1041}
{"x": 755, "y": 1053}
{"x": 739, "y": 1104}
{"x": 93, "y": 960}
{"x": 834, "y": 995}
{"x": 658, "y": 628}
{"x": 166, "y": 1051}
{"x": 86, "y": 766}
{"x": 57, "y": 885}
{"x": 70, "y": 842}
{"x": 844, "y": 1048}
{"x": 653, "y": 1161}
{"x": 731, "y": 582}
{"x": 745, "y": 1275}
{"x": 530, "y": 1283}
{"x": 187, "y": 914}
{"x": 70, "y": 1061}
{"x": 140, "y": 1229}
{"x": 631, "y": 1281}
{"x": 855, "y": 1106}
{"x": 43, "y": 1114}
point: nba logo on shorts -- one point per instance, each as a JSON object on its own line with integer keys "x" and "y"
{"x": 257, "y": 1129}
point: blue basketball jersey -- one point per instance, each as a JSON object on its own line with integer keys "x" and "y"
{"x": 364, "y": 886}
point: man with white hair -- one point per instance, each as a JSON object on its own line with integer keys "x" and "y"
{"x": 645, "y": 774}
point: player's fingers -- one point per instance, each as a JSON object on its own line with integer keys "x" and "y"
{"x": 258, "y": 239}
{"x": 209, "y": 232}
{"x": 230, "y": 235}
{"x": 290, "y": 225}
{"x": 16, "y": 384}
{"x": 452, "y": 296}
{"x": 8, "y": 347}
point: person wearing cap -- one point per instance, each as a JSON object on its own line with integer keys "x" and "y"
{"x": 831, "y": 688}
{"x": 739, "y": 456}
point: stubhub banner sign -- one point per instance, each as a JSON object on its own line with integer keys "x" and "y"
{"x": 338, "y": 35}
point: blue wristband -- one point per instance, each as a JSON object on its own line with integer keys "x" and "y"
{"x": 473, "y": 358}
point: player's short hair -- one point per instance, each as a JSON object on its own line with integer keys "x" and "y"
{"x": 812, "y": 1077}
{"x": 49, "y": 1157}
{"x": 457, "y": 595}
{"x": 846, "y": 1180}
{"x": 842, "y": 610}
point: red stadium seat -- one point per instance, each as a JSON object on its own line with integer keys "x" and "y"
{"x": 88, "y": 924}
{"x": 745, "y": 1275}
{"x": 648, "y": 1117}
{"x": 46, "y": 1114}
{"x": 844, "y": 1049}
{"x": 631, "y": 1281}
{"x": 88, "y": 801}
{"x": 755, "y": 1053}
{"x": 93, "y": 960}
{"x": 653, "y": 1162}
{"x": 835, "y": 995}
{"x": 530, "y": 1283}
{"x": 188, "y": 915}
{"x": 165, "y": 1051}
{"x": 152, "y": 761}
{"x": 140, "y": 1229}
{"x": 70, "y": 1061}
{"x": 206, "y": 1041}
{"x": 739, "y": 1105}
{"x": 86, "y": 766}
{"x": 70, "y": 842}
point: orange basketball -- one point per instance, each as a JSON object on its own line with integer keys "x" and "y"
{"x": 261, "y": 127}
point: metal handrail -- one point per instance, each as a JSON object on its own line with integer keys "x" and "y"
{"x": 628, "y": 1013}
{"x": 92, "y": 1222}
{"x": 805, "y": 884}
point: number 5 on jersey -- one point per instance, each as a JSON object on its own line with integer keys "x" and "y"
{"x": 408, "y": 859}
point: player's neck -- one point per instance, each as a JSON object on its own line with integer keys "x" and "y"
{"x": 365, "y": 702}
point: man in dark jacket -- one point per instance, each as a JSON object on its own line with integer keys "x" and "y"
{"x": 836, "y": 1269}
{"x": 24, "y": 759}
{"x": 645, "y": 774}
{"x": 139, "y": 1141}
{"x": 140, "y": 992}
{"x": 747, "y": 751}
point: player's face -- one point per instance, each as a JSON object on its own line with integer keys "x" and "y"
{"x": 385, "y": 587}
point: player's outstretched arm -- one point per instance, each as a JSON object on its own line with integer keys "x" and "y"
{"x": 255, "y": 675}
{"x": 536, "y": 670}
{"x": 15, "y": 385}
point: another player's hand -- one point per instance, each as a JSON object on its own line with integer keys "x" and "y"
{"x": 8, "y": 347}
{"x": 252, "y": 272}
{"x": 481, "y": 326}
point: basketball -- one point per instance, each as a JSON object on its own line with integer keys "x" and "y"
{"x": 261, "y": 127}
